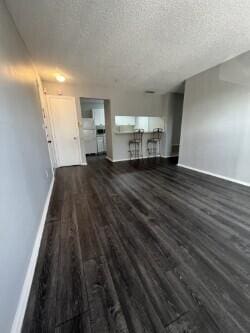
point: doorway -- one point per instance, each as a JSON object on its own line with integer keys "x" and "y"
{"x": 64, "y": 130}
{"x": 93, "y": 131}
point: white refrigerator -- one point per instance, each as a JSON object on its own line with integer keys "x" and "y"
{"x": 89, "y": 135}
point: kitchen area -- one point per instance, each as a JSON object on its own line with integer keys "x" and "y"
{"x": 92, "y": 131}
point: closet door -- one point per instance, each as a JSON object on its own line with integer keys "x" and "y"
{"x": 65, "y": 131}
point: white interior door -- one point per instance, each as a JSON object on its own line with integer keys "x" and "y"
{"x": 65, "y": 131}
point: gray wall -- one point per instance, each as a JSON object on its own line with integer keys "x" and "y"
{"x": 215, "y": 133}
{"x": 24, "y": 160}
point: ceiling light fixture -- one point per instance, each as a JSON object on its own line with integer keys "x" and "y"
{"x": 60, "y": 78}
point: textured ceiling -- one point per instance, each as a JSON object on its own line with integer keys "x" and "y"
{"x": 135, "y": 44}
{"x": 237, "y": 70}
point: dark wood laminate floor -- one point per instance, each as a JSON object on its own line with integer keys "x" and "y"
{"x": 148, "y": 248}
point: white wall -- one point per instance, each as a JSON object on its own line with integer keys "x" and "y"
{"x": 24, "y": 161}
{"x": 122, "y": 103}
{"x": 215, "y": 132}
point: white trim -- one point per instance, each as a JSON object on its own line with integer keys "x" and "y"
{"x": 215, "y": 175}
{"x": 23, "y": 300}
{"x": 169, "y": 156}
{"x": 140, "y": 158}
{"x": 48, "y": 131}
{"x": 46, "y": 123}
{"x": 109, "y": 158}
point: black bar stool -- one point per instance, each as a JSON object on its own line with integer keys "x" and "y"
{"x": 135, "y": 144}
{"x": 154, "y": 143}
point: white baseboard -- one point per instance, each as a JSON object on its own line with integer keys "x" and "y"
{"x": 109, "y": 158}
{"x": 140, "y": 158}
{"x": 169, "y": 156}
{"x": 215, "y": 175}
{"x": 23, "y": 300}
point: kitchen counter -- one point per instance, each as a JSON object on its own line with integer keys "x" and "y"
{"x": 132, "y": 132}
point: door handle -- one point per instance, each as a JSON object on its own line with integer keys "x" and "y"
{"x": 74, "y": 137}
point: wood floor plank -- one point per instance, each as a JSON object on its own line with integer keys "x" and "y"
{"x": 90, "y": 247}
{"x": 104, "y": 307}
{"x": 194, "y": 322}
{"x": 71, "y": 297}
{"x": 78, "y": 324}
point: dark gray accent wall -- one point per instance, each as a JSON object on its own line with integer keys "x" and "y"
{"x": 172, "y": 104}
{"x": 178, "y": 108}
{"x": 24, "y": 166}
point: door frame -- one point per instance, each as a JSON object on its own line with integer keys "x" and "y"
{"x": 73, "y": 99}
{"x": 108, "y": 124}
